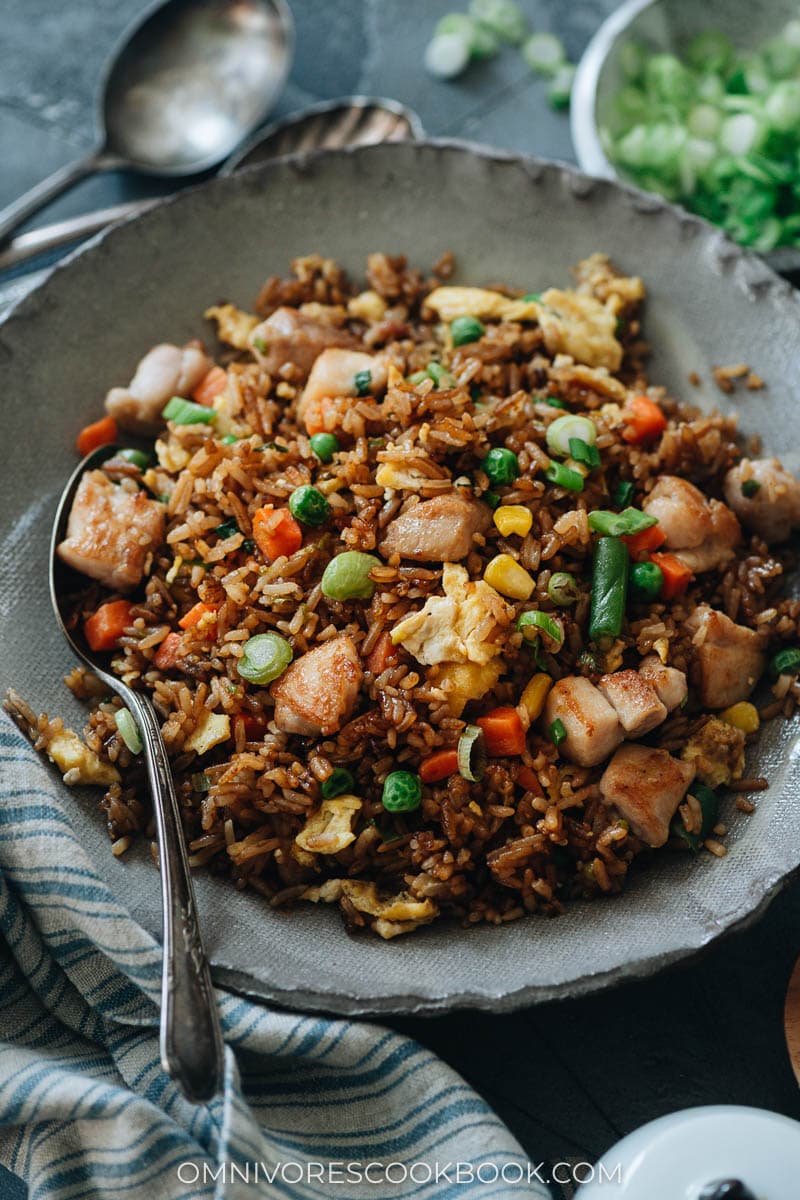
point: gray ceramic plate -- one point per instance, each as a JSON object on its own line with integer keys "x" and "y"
{"x": 520, "y": 221}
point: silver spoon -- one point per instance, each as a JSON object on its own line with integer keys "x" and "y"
{"x": 191, "y": 1044}
{"x": 186, "y": 84}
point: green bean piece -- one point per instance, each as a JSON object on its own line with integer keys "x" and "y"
{"x": 609, "y": 589}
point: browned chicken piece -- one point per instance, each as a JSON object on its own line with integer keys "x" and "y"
{"x": 316, "y": 694}
{"x": 437, "y": 530}
{"x": 164, "y": 372}
{"x": 701, "y": 532}
{"x": 646, "y": 786}
{"x": 634, "y": 701}
{"x": 670, "y": 684}
{"x": 290, "y": 337}
{"x": 110, "y": 532}
{"x": 770, "y": 502}
{"x": 334, "y": 374}
{"x": 592, "y": 726}
{"x": 716, "y": 751}
{"x": 729, "y": 658}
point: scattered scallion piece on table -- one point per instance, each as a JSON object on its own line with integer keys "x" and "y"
{"x": 544, "y": 53}
{"x": 447, "y": 54}
{"x": 481, "y": 41}
{"x": 129, "y": 730}
{"x": 559, "y": 89}
{"x": 503, "y": 17}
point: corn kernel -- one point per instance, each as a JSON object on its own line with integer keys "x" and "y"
{"x": 513, "y": 518}
{"x": 506, "y": 576}
{"x": 743, "y": 715}
{"x": 535, "y": 694}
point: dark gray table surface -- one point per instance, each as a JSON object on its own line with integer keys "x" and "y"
{"x": 568, "y": 1078}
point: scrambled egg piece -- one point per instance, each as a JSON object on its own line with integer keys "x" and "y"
{"x": 596, "y": 379}
{"x": 462, "y": 682}
{"x": 171, "y": 454}
{"x": 367, "y": 306}
{"x": 328, "y": 830}
{"x": 452, "y": 302}
{"x": 211, "y": 729}
{"x": 393, "y": 915}
{"x": 579, "y": 325}
{"x": 78, "y": 763}
{"x": 461, "y": 626}
{"x": 234, "y": 326}
{"x": 396, "y": 475}
{"x": 716, "y": 752}
{"x": 597, "y": 276}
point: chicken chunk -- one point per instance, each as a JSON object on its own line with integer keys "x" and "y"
{"x": 701, "y": 532}
{"x": 592, "y": 726}
{"x": 464, "y": 625}
{"x": 164, "y": 372}
{"x": 668, "y": 683}
{"x": 729, "y": 658}
{"x": 437, "y": 530}
{"x": 634, "y": 700}
{"x": 316, "y": 694}
{"x": 646, "y": 786}
{"x": 289, "y": 337}
{"x": 770, "y": 502}
{"x": 334, "y": 374}
{"x": 111, "y": 531}
{"x": 716, "y": 751}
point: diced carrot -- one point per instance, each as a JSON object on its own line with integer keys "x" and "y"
{"x": 503, "y": 731}
{"x": 642, "y": 543}
{"x": 439, "y": 766}
{"x": 210, "y": 386}
{"x": 195, "y": 614}
{"x": 100, "y": 433}
{"x": 382, "y": 655}
{"x": 317, "y": 414}
{"x": 276, "y": 532}
{"x": 529, "y": 780}
{"x": 677, "y": 575}
{"x": 168, "y": 652}
{"x": 643, "y": 419}
{"x": 104, "y": 628}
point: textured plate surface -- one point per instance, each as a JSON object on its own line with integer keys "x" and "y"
{"x": 521, "y": 221}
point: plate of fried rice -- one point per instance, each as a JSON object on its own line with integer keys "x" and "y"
{"x": 437, "y": 509}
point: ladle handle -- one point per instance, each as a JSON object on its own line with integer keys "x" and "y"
{"x": 42, "y": 193}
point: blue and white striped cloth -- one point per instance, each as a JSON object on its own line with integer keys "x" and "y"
{"x": 86, "y": 1111}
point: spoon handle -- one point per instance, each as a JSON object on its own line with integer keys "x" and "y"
{"x": 192, "y": 1050}
{"x": 45, "y": 191}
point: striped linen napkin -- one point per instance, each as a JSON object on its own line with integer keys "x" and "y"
{"x": 87, "y": 1112}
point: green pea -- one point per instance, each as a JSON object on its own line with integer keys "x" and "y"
{"x": 139, "y": 458}
{"x": 646, "y": 580}
{"x": 338, "y": 782}
{"x": 266, "y": 656}
{"x": 466, "y": 329}
{"x": 324, "y": 446}
{"x": 346, "y": 577}
{"x": 402, "y": 792}
{"x": 307, "y": 504}
{"x": 501, "y": 465}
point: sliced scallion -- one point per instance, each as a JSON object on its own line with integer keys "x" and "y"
{"x": 129, "y": 730}
{"x": 472, "y": 754}
{"x": 533, "y": 624}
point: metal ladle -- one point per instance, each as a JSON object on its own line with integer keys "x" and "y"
{"x": 183, "y": 89}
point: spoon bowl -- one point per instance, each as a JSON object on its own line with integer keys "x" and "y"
{"x": 191, "y": 1045}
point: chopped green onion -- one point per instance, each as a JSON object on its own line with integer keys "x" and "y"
{"x": 265, "y": 657}
{"x": 362, "y": 381}
{"x": 557, "y": 732}
{"x": 632, "y": 59}
{"x": 229, "y": 439}
{"x": 544, "y": 53}
{"x": 501, "y": 465}
{"x": 503, "y": 17}
{"x": 563, "y": 589}
{"x": 623, "y": 493}
{"x": 561, "y": 431}
{"x": 624, "y": 524}
{"x": 139, "y": 458}
{"x": 466, "y": 329}
{"x": 750, "y": 487}
{"x": 338, "y": 782}
{"x": 582, "y": 452}
{"x": 564, "y": 477}
{"x": 710, "y": 51}
{"x": 260, "y": 345}
{"x": 709, "y": 807}
{"x": 492, "y": 499}
{"x": 346, "y": 576}
{"x": 554, "y": 402}
{"x": 559, "y": 90}
{"x": 418, "y": 377}
{"x": 472, "y": 754}
{"x": 200, "y": 782}
{"x": 447, "y": 54}
{"x": 129, "y": 730}
{"x": 324, "y": 445}
{"x": 227, "y": 529}
{"x": 307, "y": 504}
{"x": 609, "y": 589}
{"x": 440, "y": 375}
{"x": 481, "y": 41}
{"x": 532, "y": 298}
{"x": 402, "y": 792}
{"x": 186, "y": 412}
{"x": 531, "y": 624}
{"x": 647, "y": 580}
{"x": 785, "y": 662}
